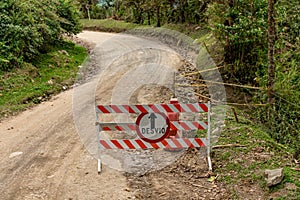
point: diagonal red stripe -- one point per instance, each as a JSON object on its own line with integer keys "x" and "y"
{"x": 192, "y": 107}
{"x": 116, "y": 109}
{"x": 165, "y": 143}
{"x": 188, "y": 142}
{"x": 154, "y": 108}
{"x": 184, "y": 126}
{"x": 106, "y": 128}
{"x": 119, "y": 128}
{"x": 141, "y": 108}
{"x": 179, "y": 107}
{"x": 198, "y": 125}
{"x": 103, "y": 109}
{"x": 128, "y": 108}
{"x": 154, "y": 145}
{"x": 166, "y": 107}
{"x": 104, "y": 144}
{"x": 173, "y": 127}
{"x": 117, "y": 144}
{"x": 128, "y": 143}
{"x": 141, "y": 144}
{"x": 175, "y": 141}
{"x": 204, "y": 107}
{"x": 199, "y": 141}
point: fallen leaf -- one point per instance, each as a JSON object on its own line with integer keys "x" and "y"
{"x": 212, "y": 179}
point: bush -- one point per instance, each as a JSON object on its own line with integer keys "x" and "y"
{"x": 27, "y": 26}
{"x": 241, "y": 26}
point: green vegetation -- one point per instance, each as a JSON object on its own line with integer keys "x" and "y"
{"x": 238, "y": 31}
{"x": 107, "y": 25}
{"x": 150, "y": 12}
{"x": 46, "y": 75}
{"x": 240, "y": 28}
{"x": 35, "y": 60}
{"x": 28, "y": 27}
{"x": 110, "y": 25}
{"x": 245, "y": 165}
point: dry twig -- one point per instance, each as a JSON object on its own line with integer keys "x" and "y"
{"x": 228, "y": 145}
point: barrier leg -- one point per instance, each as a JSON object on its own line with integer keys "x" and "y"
{"x": 209, "y": 159}
{"x": 208, "y": 138}
{"x": 98, "y": 142}
{"x": 99, "y": 165}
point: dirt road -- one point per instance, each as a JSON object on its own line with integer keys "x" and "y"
{"x": 49, "y": 151}
{"x": 42, "y": 156}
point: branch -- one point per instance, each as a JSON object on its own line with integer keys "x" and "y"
{"x": 227, "y": 145}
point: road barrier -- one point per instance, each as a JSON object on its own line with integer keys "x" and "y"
{"x": 153, "y": 127}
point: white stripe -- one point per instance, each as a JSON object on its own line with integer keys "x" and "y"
{"x": 160, "y": 108}
{"x": 98, "y": 110}
{"x": 171, "y": 143}
{"x": 173, "y": 108}
{"x": 160, "y": 145}
{"x": 176, "y": 124}
{"x": 193, "y": 141}
{"x": 207, "y": 105}
{"x": 124, "y": 110}
{"x": 190, "y": 125}
{"x": 185, "y": 108}
{"x": 183, "y": 144}
{"x": 123, "y": 144}
{"x": 136, "y": 110}
{"x": 110, "y": 110}
{"x": 197, "y": 107}
{"x": 135, "y": 144}
{"x": 148, "y": 145}
{"x": 110, "y": 144}
{"x": 205, "y": 141}
{"x": 146, "y": 107}
{"x": 203, "y": 124}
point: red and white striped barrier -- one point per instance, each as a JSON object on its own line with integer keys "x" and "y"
{"x": 152, "y": 120}
{"x": 174, "y": 125}
{"x": 164, "y": 144}
{"x": 155, "y": 108}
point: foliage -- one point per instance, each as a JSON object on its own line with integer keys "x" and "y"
{"x": 241, "y": 26}
{"x": 29, "y": 26}
{"x": 240, "y": 165}
{"x": 47, "y": 75}
{"x": 285, "y": 118}
{"x": 107, "y": 25}
{"x": 148, "y": 12}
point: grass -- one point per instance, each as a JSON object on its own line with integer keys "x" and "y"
{"x": 246, "y": 165}
{"x": 241, "y": 165}
{"x": 49, "y": 74}
{"x": 116, "y": 26}
{"x": 107, "y": 25}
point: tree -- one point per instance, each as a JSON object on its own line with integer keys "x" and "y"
{"x": 28, "y": 26}
{"x": 271, "y": 50}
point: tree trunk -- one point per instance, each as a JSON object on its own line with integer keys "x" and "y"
{"x": 158, "y": 16}
{"x": 149, "y": 18}
{"x": 271, "y": 50}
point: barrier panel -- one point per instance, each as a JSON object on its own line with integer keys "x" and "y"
{"x": 153, "y": 127}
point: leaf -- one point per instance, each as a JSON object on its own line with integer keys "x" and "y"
{"x": 212, "y": 179}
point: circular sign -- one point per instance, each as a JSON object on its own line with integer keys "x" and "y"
{"x": 153, "y": 127}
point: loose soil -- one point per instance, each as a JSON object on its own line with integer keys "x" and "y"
{"x": 54, "y": 164}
